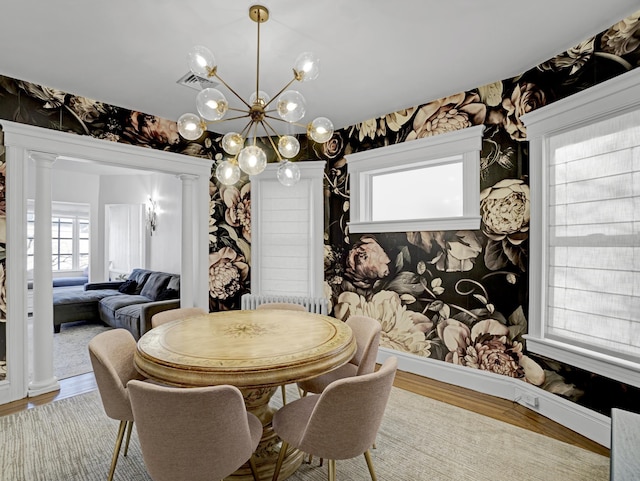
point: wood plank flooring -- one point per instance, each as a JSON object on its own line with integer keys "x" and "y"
{"x": 490, "y": 406}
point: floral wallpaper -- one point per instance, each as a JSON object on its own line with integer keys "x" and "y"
{"x": 454, "y": 296}
{"x": 3, "y": 257}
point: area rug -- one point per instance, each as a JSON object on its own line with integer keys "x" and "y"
{"x": 70, "y": 348}
{"x": 420, "y": 439}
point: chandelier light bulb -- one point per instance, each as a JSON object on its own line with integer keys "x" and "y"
{"x": 227, "y": 172}
{"x": 190, "y": 126}
{"x": 262, "y": 98}
{"x": 288, "y": 146}
{"x": 232, "y": 143}
{"x": 201, "y": 61}
{"x": 288, "y": 173}
{"x": 291, "y": 106}
{"x": 320, "y": 129}
{"x": 307, "y": 66}
{"x": 252, "y": 160}
{"x": 212, "y": 104}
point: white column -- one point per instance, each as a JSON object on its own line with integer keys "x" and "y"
{"x": 186, "y": 268}
{"x": 43, "y": 379}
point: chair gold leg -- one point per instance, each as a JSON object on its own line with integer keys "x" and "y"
{"x": 126, "y": 444}
{"x": 254, "y": 470}
{"x": 283, "y": 450}
{"x": 283, "y": 388}
{"x": 372, "y": 472}
{"x": 332, "y": 470}
{"x": 116, "y": 449}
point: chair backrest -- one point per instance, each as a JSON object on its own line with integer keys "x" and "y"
{"x": 173, "y": 314}
{"x": 111, "y": 353}
{"x": 197, "y": 434}
{"x": 345, "y": 420}
{"x": 282, "y": 305}
{"x": 366, "y": 331}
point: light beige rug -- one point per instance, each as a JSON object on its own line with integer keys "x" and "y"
{"x": 420, "y": 439}
{"x": 70, "y": 348}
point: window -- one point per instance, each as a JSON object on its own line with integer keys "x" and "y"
{"x": 426, "y": 184}
{"x": 287, "y": 233}
{"x": 69, "y": 237}
{"x": 585, "y": 252}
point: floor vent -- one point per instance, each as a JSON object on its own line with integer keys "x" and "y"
{"x": 196, "y": 83}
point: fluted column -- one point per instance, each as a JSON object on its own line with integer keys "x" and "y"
{"x": 186, "y": 268}
{"x": 42, "y": 380}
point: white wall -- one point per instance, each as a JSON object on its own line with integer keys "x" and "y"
{"x": 97, "y": 190}
{"x": 163, "y": 247}
{"x": 165, "y": 243}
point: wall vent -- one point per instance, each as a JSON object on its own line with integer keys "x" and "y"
{"x": 195, "y": 82}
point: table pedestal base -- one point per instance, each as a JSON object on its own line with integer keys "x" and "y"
{"x": 268, "y": 450}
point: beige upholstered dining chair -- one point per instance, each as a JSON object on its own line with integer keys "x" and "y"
{"x": 174, "y": 314}
{"x": 340, "y": 423}
{"x": 289, "y": 306}
{"x": 199, "y": 434}
{"x": 366, "y": 331}
{"x": 111, "y": 353}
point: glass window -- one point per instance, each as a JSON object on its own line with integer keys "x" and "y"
{"x": 69, "y": 238}
{"x": 425, "y": 184}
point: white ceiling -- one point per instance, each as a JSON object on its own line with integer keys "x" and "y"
{"x": 376, "y": 56}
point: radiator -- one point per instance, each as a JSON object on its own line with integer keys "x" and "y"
{"x": 317, "y": 305}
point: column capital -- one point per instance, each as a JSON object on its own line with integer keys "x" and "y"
{"x": 43, "y": 159}
{"x": 187, "y": 177}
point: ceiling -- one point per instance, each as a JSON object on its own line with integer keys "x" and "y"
{"x": 377, "y": 56}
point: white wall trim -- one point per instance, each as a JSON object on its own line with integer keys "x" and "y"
{"x": 23, "y": 140}
{"x": 586, "y": 422}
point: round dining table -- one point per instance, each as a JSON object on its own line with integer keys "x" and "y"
{"x": 256, "y": 351}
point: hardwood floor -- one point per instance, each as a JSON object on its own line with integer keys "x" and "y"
{"x": 490, "y": 406}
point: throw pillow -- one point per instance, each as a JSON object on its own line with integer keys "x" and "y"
{"x": 168, "y": 294}
{"x": 128, "y": 287}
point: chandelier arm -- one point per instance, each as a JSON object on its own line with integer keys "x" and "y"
{"x": 225, "y": 120}
{"x": 231, "y": 90}
{"x": 245, "y": 130}
{"x": 281, "y": 90}
{"x": 265, "y": 124}
{"x": 297, "y": 124}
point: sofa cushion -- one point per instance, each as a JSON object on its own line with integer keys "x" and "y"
{"x": 109, "y": 305}
{"x": 128, "y": 287}
{"x": 174, "y": 283}
{"x": 168, "y": 294}
{"x": 155, "y": 284}
{"x": 140, "y": 276}
{"x": 128, "y": 317}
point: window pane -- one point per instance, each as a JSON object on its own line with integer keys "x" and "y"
{"x": 83, "y": 261}
{"x": 83, "y": 228}
{"x": 428, "y": 192}
{"x": 66, "y": 263}
{"x": 83, "y": 246}
{"x": 29, "y": 262}
{"x": 66, "y": 230}
{"x": 66, "y": 246}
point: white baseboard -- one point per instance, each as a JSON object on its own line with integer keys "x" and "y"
{"x": 586, "y": 422}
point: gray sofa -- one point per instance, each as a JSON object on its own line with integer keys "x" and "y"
{"x": 128, "y": 304}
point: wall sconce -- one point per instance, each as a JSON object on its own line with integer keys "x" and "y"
{"x": 152, "y": 216}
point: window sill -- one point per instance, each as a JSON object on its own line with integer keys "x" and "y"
{"x": 614, "y": 368}
{"x": 421, "y": 225}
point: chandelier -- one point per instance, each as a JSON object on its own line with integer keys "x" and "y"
{"x": 286, "y": 106}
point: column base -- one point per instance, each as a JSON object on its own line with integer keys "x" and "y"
{"x": 43, "y": 387}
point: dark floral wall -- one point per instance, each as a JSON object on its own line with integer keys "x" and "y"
{"x": 454, "y": 296}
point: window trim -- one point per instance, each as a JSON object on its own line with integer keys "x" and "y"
{"x": 608, "y": 99}
{"x": 362, "y": 166}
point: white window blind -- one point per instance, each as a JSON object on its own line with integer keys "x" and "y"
{"x": 593, "y": 281}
